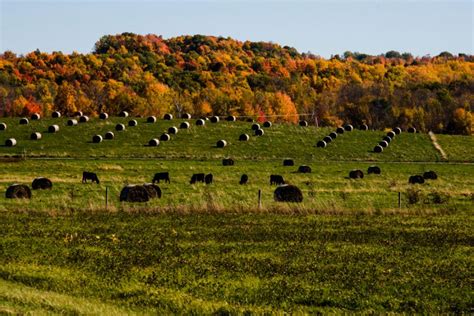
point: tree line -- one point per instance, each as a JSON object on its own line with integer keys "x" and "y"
{"x": 206, "y": 75}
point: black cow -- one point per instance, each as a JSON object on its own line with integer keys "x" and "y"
{"x": 304, "y": 169}
{"x": 244, "y": 179}
{"x": 208, "y": 178}
{"x": 276, "y": 179}
{"x": 197, "y": 177}
{"x": 416, "y": 179}
{"x": 374, "y": 170}
{"x": 165, "y": 176}
{"x": 228, "y": 162}
{"x": 89, "y": 176}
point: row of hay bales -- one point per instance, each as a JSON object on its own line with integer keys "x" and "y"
{"x": 12, "y": 142}
{"x": 387, "y": 139}
{"x": 333, "y": 135}
{"x": 420, "y": 179}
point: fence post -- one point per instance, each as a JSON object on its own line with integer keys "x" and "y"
{"x": 399, "y": 200}
{"x": 72, "y": 194}
{"x": 259, "y": 199}
{"x": 106, "y": 197}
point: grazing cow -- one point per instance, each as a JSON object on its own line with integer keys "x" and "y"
{"x": 244, "y": 179}
{"x": 288, "y": 162}
{"x": 161, "y": 176}
{"x": 416, "y": 179}
{"x": 197, "y": 177}
{"x": 356, "y": 174}
{"x": 374, "y": 170}
{"x": 208, "y": 178}
{"x": 430, "y": 175}
{"x": 228, "y": 162}
{"x": 304, "y": 169}
{"x": 276, "y": 179}
{"x": 89, "y": 176}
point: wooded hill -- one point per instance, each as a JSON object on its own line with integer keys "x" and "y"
{"x": 203, "y": 75}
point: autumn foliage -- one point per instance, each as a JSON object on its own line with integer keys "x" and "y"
{"x": 207, "y": 75}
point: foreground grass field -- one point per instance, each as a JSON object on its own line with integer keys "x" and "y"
{"x": 126, "y": 263}
{"x": 348, "y": 247}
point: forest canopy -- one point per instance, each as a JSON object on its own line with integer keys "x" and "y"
{"x": 207, "y": 75}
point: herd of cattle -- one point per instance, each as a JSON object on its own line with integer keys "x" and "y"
{"x": 143, "y": 193}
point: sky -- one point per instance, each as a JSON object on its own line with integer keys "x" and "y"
{"x": 323, "y": 28}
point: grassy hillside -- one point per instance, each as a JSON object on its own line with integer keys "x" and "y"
{"x": 199, "y": 142}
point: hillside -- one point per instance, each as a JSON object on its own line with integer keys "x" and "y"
{"x": 204, "y": 75}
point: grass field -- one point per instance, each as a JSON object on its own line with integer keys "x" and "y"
{"x": 349, "y": 247}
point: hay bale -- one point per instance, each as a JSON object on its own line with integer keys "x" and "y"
{"x": 119, "y": 127}
{"x": 78, "y": 113}
{"x": 348, "y": 128}
{"x": 259, "y": 132}
{"x": 228, "y": 162}
{"x": 384, "y": 144}
{"x": 24, "y": 121}
{"x": 123, "y": 114}
{"x": 200, "y": 122}
{"x": 431, "y": 175}
{"x": 378, "y": 149}
{"x": 249, "y": 120}
{"x": 304, "y": 169}
{"x": 35, "y": 117}
{"x": 134, "y": 193}
{"x": 397, "y": 130}
{"x": 84, "y": 119}
{"x": 255, "y": 127}
{"x": 221, "y": 143}
{"x": 186, "y": 116}
{"x": 333, "y": 135}
{"x": 151, "y": 119}
{"x": 173, "y": 130}
{"x": 165, "y": 137}
{"x": 364, "y": 127}
{"x": 132, "y": 123}
{"x": 231, "y": 118}
{"x": 184, "y": 125}
{"x": 109, "y": 135}
{"x": 97, "y": 139}
{"x": 356, "y": 174}
{"x": 244, "y": 179}
{"x": 288, "y": 193}
{"x": 56, "y": 114}
{"x": 416, "y": 179}
{"x": 35, "y": 136}
{"x": 340, "y": 130}
{"x": 3, "y": 126}
{"x": 244, "y": 137}
{"x": 42, "y": 183}
{"x": 321, "y": 144}
{"x": 374, "y": 170}
{"x": 53, "y": 128}
{"x": 391, "y": 134}
{"x": 411, "y": 130}
{"x": 153, "y": 190}
{"x": 154, "y": 142}
{"x": 288, "y": 162}
{"x": 71, "y": 122}
{"x": 215, "y": 119}
{"x": 103, "y": 116}
{"x": 18, "y": 191}
{"x": 11, "y": 142}
{"x": 267, "y": 124}
{"x": 327, "y": 139}
{"x": 168, "y": 117}
{"x": 303, "y": 123}
{"x": 388, "y": 139}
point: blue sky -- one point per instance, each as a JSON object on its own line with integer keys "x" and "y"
{"x": 321, "y": 27}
